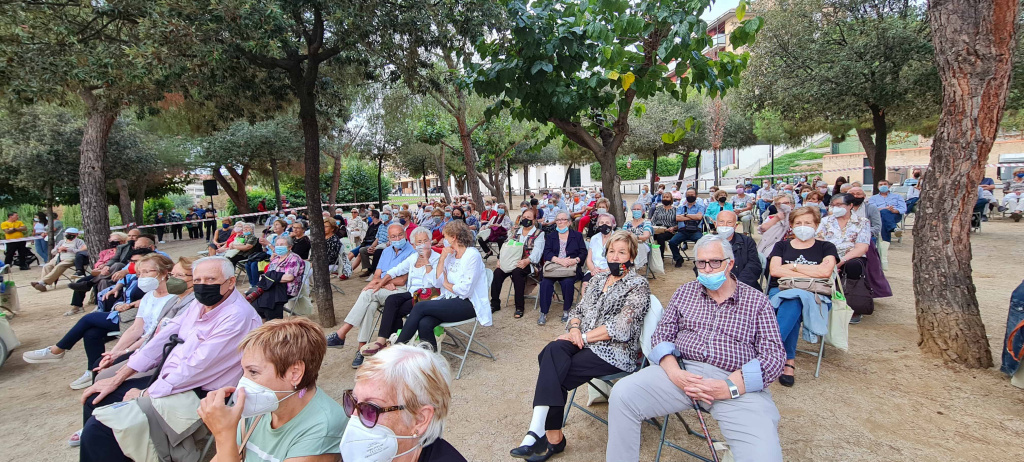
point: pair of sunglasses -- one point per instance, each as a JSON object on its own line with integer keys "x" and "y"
{"x": 368, "y": 412}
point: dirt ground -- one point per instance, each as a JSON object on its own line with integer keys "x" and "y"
{"x": 882, "y": 400}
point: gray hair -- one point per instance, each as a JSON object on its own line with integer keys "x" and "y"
{"x": 608, "y": 216}
{"x": 712, "y": 239}
{"x": 419, "y": 230}
{"x": 289, "y": 241}
{"x": 226, "y": 267}
{"x": 247, "y": 225}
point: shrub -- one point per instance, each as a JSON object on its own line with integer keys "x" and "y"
{"x": 150, "y": 207}
{"x": 667, "y": 166}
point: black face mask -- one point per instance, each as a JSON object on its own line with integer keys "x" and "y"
{"x": 208, "y": 294}
{"x": 917, "y": 175}
{"x": 721, "y": 200}
{"x": 458, "y": 217}
{"x": 526, "y": 222}
{"x": 114, "y": 244}
{"x": 619, "y": 269}
{"x": 668, "y": 202}
{"x": 857, "y": 201}
{"x": 691, "y": 199}
{"x": 604, "y": 229}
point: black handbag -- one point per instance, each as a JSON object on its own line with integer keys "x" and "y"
{"x": 859, "y": 296}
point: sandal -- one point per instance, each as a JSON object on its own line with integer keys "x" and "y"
{"x": 73, "y": 311}
{"x": 76, "y": 439}
{"x": 788, "y": 380}
{"x": 371, "y": 349}
{"x": 519, "y": 314}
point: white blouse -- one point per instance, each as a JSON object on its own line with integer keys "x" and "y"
{"x": 597, "y": 251}
{"x": 149, "y": 310}
{"x": 468, "y": 277}
{"x": 419, "y": 278}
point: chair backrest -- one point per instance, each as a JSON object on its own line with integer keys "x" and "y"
{"x": 651, "y": 320}
{"x": 307, "y": 273}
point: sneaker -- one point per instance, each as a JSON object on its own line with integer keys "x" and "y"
{"x": 333, "y": 341}
{"x": 855, "y": 319}
{"x": 42, "y": 355}
{"x": 357, "y": 361}
{"x": 75, "y": 310}
{"x": 369, "y": 279}
{"x": 1002, "y": 208}
{"x": 565, "y": 317}
{"x": 38, "y": 285}
{"x": 984, "y": 219}
{"x": 543, "y": 319}
{"x": 85, "y": 381}
{"x": 162, "y": 242}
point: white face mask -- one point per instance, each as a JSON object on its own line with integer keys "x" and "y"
{"x": 726, "y": 231}
{"x": 148, "y": 285}
{"x": 838, "y": 212}
{"x": 260, "y": 400}
{"x": 803, "y": 233}
{"x": 377, "y": 444}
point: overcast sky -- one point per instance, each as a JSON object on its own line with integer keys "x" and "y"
{"x": 717, "y": 8}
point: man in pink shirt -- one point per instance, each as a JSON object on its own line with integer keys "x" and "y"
{"x": 210, "y": 329}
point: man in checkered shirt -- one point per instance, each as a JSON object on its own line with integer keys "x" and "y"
{"x": 717, "y": 343}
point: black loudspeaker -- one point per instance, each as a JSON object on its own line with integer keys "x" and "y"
{"x": 210, "y": 187}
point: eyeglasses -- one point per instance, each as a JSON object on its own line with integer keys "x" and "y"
{"x": 715, "y": 264}
{"x": 185, "y": 276}
{"x": 368, "y": 412}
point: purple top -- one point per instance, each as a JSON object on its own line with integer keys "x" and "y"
{"x": 209, "y": 358}
{"x": 741, "y": 333}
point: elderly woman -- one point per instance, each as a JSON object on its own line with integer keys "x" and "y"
{"x": 719, "y": 202}
{"x": 463, "y": 283}
{"x": 244, "y": 243}
{"x": 252, "y": 264}
{"x": 602, "y": 338}
{"x": 596, "y": 263}
{"x": 398, "y": 407}
{"x": 801, "y": 257}
{"x": 530, "y": 236}
{"x": 850, "y": 234}
{"x": 435, "y": 225}
{"x": 93, "y": 328}
{"x": 566, "y": 248}
{"x": 279, "y": 412}
{"x": 282, "y": 280}
{"x": 219, "y": 242}
{"x": 776, "y": 228}
{"x": 645, "y": 198}
{"x": 500, "y": 225}
{"x": 333, "y": 243}
{"x": 601, "y": 207}
{"x": 420, "y": 285}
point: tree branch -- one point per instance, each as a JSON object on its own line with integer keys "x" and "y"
{"x": 577, "y": 134}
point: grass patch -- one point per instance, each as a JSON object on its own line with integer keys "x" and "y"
{"x": 787, "y": 164}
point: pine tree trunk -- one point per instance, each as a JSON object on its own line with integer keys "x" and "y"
{"x": 277, "y": 184}
{"x": 380, "y": 182}
{"x": 140, "y": 202}
{"x": 124, "y": 201}
{"x": 236, "y": 193}
{"x": 654, "y": 171}
{"x": 50, "y": 216}
{"x": 974, "y": 46}
{"x": 468, "y": 156}
{"x": 442, "y": 178}
{"x": 321, "y": 281}
{"x": 335, "y": 180}
{"x": 526, "y": 181}
{"x": 92, "y": 186}
{"x": 567, "y": 171}
{"x": 610, "y": 183}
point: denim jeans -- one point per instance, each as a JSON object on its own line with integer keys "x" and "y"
{"x": 43, "y": 249}
{"x": 92, "y": 330}
{"x": 252, "y": 270}
{"x": 1014, "y": 317}
{"x": 681, "y": 236}
{"x": 889, "y": 221}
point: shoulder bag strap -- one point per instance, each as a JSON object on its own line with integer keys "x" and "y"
{"x": 1009, "y": 343}
{"x": 245, "y": 439}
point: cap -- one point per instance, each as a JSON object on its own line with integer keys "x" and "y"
{"x": 71, "y": 231}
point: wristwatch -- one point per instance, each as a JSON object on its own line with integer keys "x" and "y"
{"x": 584, "y": 338}
{"x": 733, "y": 391}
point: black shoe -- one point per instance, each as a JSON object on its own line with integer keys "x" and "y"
{"x": 537, "y": 448}
{"x": 679, "y": 263}
{"x": 519, "y": 314}
{"x": 79, "y": 286}
{"x": 358, "y": 360}
{"x": 495, "y": 309}
{"x": 787, "y": 380}
{"x": 855, "y": 319}
{"x": 549, "y": 451}
{"x": 79, "y": 274}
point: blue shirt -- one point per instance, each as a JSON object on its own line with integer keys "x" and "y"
{"x": 894, "y": 200}
{"x": 686, "y": 209}
{"x": 382, "y": 234}
{"x": 389, "y": 258}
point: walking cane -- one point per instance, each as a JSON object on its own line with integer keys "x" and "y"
{"x": 172, "y": 342}
{"x": 703, "y": 426}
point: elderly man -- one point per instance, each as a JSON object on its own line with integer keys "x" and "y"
{"x": 765, "y": 196}
{"x": 369, "y": 255}
{"x": 206, "y": 358}
{"x": 747, "y": 267}
{"x": 689, "y": 216}
{"x": 382, "y": 286}
{"x": 718, "y": 344}
{"x": 356, "y": 227}
{"x": 101, "y": 271}
{"x": 65, "y": 258}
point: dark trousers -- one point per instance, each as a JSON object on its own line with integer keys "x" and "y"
{"x": 21, "y": 248}
{"x": 176, "y": 231}
{"x": 682, "y": 236}
{"x": 194, "y": 232}
{"x": 160, "y": 232}
{"x": 376, "y": 259}
{"x": 396, "y": 307}
{"x": 427, "y": 315}
{"x": 209, "y": 230}
{"x": 81, "y": 288}
{"x": 662, "y": 239}
{"x": 277, "y": 312}
{"x": 889, "y": 221}
{"x": 854, "y": 268}
{"x": 91, "y": 330}
{"x": 81, "y": 261}
{"x": 518, "y": 283}
{"x": 547, "y": 292}
{"x": 98, "y": 443}
{"x": 252, "y": 269}
{"x": 563, "y": 367}
{"x": 910, "y": 204}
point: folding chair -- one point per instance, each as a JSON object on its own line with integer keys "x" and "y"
{"x": 530, "y": 279}
{"x": 820, "y": 354}
{"x": 651, "y": 320}
{"x": 291, "y": 307}
{"x": 458, "y": 343}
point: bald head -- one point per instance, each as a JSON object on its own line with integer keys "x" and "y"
{"x": 856, "y": 191}
{"x": 396, "y": 232}
{"x": 144, "y": 243}
{"x": 725, "y": 217}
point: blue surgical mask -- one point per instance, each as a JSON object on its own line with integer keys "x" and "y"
{"x": 399, "y": 244}
{"x": 447, "y": 214}
{"x": 385, "y": 217}
{"x": 501, "y": 211}
{"x": 402, "y": 221}
{"x": 714, "y": 280}
{"x": 883, "y": 189}
{"x": 638, "y": 213}
{"x": 1020, "y": 175}
{"x": 562, "y": 230}
{"x": 280, "y": 250}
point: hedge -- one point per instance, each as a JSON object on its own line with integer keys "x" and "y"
{"x": 667, "y": 166}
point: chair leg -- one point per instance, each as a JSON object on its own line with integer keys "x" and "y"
{"x": 821, "y": 355}
{"x": 568, "y": 407}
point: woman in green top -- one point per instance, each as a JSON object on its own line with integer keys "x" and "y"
{"x": 279, "y": 413}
